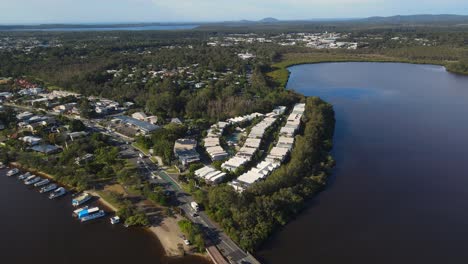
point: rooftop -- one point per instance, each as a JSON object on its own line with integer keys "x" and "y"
{"x": 145, "y": 126}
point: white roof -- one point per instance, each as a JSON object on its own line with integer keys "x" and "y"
{"x": 234, "y": 163}
{"x": 252, "y": 142}
{"x": 276, "y": 151}
{"x": 218, "y": 177}
{"x": 211, "y": 142}
{"x": 250, "y": 177}
{"x": 246, "y": 151}
{"x": 288, "y": 131}
{"x": 286, "y": 140}
{"x": 293, "y": 117}
{"x": 215, "y": 150}
{"x": 203, "y": 171}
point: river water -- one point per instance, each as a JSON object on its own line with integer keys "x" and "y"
{"x": 34, "y": 229}
{"x": 399, "y": 192}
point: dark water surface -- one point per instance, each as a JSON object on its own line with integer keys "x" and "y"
{"x": 399, "y": 193}
{"x": 34, "y": 229}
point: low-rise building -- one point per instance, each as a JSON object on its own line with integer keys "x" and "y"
{"x": 217, "y": 153}
{"x": 185, "y": 151}
{"x": 277, "y": 154}
{"x": 210, "y": 175}
{"x": 141, "y": 126}
{"x": 234, "y": 163}
{"x": 143, "y": 117}
{"x": 46, "y": 149}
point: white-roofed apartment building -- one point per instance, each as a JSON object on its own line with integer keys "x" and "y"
{"x": 277, "y": 154}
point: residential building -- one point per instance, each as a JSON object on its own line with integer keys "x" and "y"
{"x": 185, "y": 151}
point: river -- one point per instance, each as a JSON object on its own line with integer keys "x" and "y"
{"x": 35, "y": 229}
{"x": 399, "y": 191}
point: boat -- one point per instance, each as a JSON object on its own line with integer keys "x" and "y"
{"x": 42, "y": 183}
{"x": 57, "y": 193}
{"x": 48, "y": 188}
{"x": 77, "y": 211}
{"x": 115, "y": 220}
{"x": 12, "y": 172}
{"x": 93, "y": 216}
{"x": 33, "y": 180}
{"x": 87, "y": 212}
{"x": 83, "y": 198}
{"x": 30, "y": 177}
{"x": 22, "y": 177}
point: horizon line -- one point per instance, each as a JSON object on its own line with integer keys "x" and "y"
{"x": 211, "y": 21}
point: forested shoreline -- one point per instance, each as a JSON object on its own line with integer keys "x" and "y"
{"x": 251, "y": 217}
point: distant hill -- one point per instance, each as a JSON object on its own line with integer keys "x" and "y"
{"x": 268, "y": 20}
{"x": 265, "y": 20}
{"x": 418, "y": 19}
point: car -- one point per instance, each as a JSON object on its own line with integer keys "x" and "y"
{"x": 194, "y": 214}
{"x": 187, "y": 242}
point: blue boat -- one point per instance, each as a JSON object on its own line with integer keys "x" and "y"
{"x": 87, "y": 212}
{"x": 77, "y": 211}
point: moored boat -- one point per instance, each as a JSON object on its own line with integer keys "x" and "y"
{"x": 81, "y": 199}
{"x": 33, "y": 180}
{"x": 87, "y": 212}
{"x": 115, "y": 220}
{"x": 48, "y": 188}
{"x": 22, "y": 177}
{"x": 12, "y": 172}
{"x": 93, "y": 216}
{"x": 77, "y": 211}
{"x": 57, "y": 193}
{"x": 42, "y": 183}
{"x": 29, "y": 178}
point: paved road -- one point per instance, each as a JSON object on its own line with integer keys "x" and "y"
{"x": 226, "y": 246}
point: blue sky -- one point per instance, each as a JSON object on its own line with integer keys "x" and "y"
{"x": 98, "y": 11}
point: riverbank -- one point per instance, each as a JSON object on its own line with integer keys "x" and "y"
{"x": 164, "y": 227}
{"x": 40, "y": 173}
{"x": 280, "y": 73}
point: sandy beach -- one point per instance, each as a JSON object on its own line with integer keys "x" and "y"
{"x": 164, "y": 227}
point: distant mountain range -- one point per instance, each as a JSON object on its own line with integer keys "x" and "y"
{"x": 443, "y": 20}
{"x": 418, "y": 19}
{"x": 264, "y": 20}
{"x": 398, "y": 19}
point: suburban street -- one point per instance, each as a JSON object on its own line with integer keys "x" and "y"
{"x": 225, "y": 245}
